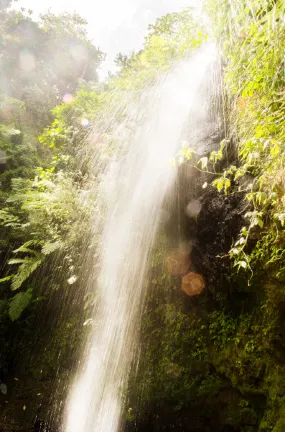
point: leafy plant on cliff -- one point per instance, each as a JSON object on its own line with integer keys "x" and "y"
{"x": 252, "y": 43}
{"x": 253, "y": 46}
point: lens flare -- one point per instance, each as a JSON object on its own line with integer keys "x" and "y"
{"x": 67, "y": 98}
{"x": 85, "y": 122}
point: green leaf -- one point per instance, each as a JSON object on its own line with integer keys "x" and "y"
{"x": 260, "y": 197}
{"x": 19, "y": 303}
{"x": 188, "y": 153}
{"x": 6, "y": 279}
{"x": 25, "y": 270}
{"x": 275, "y": 150}
{"x": 26, "y": 249}
{"x": 16, "y": 261}
{"x": 219, "y": 183}
{"x": 227, "y": 185}
{"x": 50, "y": 247}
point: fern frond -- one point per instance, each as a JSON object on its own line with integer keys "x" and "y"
{"x": 24, "y": 271}
{"x": 16, "y": 261}
{"x": 31, "y": 242}
{"x": 19, "y": 185}
{"x": 13, "y": 225}
{"x": 27, "y": 250}
{"x": 6, "y": 279}
{"x": 9, "y": 220}
{"x": 19, "y": 303}
{"x": 25, "y": 247}
{"x": 49, "y": 247}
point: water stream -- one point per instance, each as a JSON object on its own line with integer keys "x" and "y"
{"x": 139, "y": 184}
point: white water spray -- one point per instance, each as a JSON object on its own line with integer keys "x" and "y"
{"x": 140, "y": 184}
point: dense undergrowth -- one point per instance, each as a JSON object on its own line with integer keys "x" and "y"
{"x": 252, "y": 40}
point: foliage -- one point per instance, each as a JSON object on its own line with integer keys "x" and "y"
{"x": 19, "y": 302}
{"x": 71, "y": 126}
{"x": 49, "y": 212}
{"x": 40, "y": 62}
{"x": 170, "y": 39}
{"x": 252, "y": 42}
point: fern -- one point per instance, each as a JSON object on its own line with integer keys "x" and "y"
{"x": 27, "y": 267}
{"x": 16, "y": 261}
{"x": 50, "y": 247}
{"x": 26, "y": 249}
{"x": 19, "y": 303}
{"x": 9, "y": 220}
{"x": 29, "y": 264}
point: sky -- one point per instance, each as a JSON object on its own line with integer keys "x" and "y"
{"x": 113, "y": 25}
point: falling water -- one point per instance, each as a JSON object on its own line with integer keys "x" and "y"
{"x": 140, "y": 182}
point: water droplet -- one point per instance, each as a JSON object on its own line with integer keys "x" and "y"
{"x": 3, "y": 388}
{"x": 72, "y": 280}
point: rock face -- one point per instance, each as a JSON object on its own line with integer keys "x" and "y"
{"x": 178, "y": 262}
{"x": 193, "y": 284}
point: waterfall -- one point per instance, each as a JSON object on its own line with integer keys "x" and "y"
{"x": 135, "y": 189}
